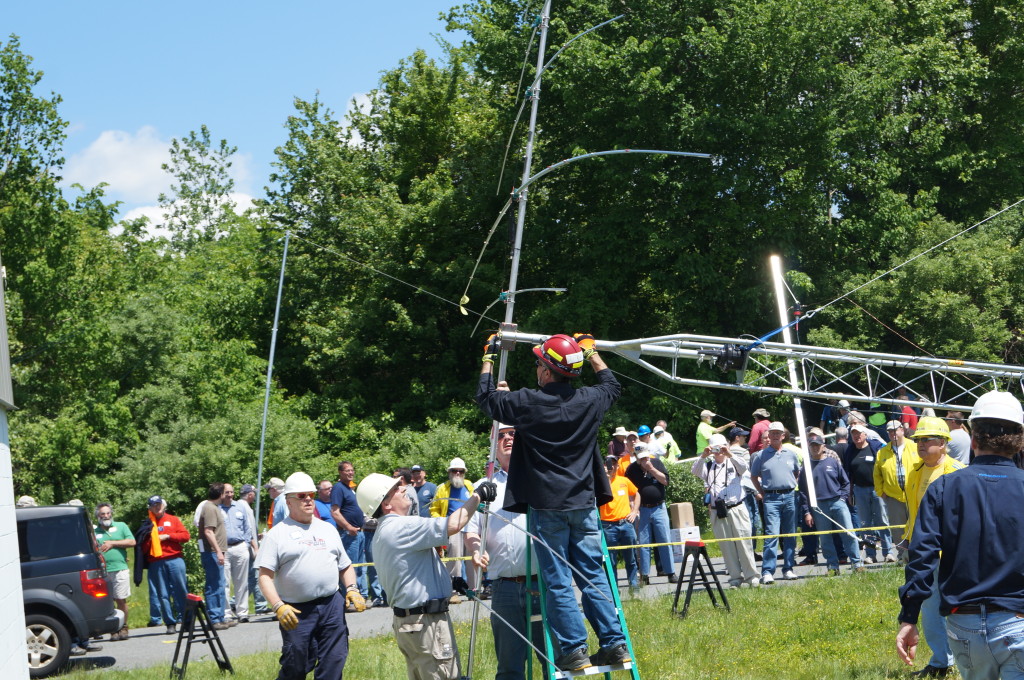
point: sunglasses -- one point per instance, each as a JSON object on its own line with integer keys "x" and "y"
{"x": 303, "y": 496}
{"x": 506, "y": 435}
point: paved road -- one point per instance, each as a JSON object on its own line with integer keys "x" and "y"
{"x": 152, "y": 647}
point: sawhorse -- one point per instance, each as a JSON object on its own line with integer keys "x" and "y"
{"x": 195, "y": 610}
{"x": 699, "y": 552}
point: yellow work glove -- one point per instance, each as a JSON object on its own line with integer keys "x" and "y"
{"x": 287, "y": 616}
{"x": 586, "y": 343}
{"x": 491, "y": 348}
{"x": 353, "y": 598}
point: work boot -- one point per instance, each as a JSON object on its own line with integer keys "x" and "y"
{"x": 611, "y": 656}
{"x": 172, "y": 628}
{"x": 931, "y": 671}
{"x": 574, "y": 660}
{"x": 672, "y": 578}
{"x": 645, "y": 580}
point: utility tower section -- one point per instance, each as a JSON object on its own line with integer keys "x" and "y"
{"x": 825, "y": 373}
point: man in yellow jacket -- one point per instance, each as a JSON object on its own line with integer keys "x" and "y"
{"x": 450, "y": 497}
{"x": 894, "y": 461}
{"x": 931, "y": 437}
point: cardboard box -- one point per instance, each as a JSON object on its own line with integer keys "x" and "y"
{"x": 680, "y": 515}
{"x": 680, "y": 536}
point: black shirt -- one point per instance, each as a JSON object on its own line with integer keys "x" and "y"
{"x": 860, "y": 463}
{"x": 555, "y": 463}
{"x": 652, "y": 492}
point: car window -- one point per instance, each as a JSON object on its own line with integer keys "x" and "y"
{"x": 50, "y": 537}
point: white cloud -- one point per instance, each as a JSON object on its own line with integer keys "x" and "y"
{"x": 155, "y": 214}
{"x": 360, "y": 101}
{"x": 129, "y": 163}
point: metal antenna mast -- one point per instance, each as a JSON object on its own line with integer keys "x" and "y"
{"x": 513, "y": 282}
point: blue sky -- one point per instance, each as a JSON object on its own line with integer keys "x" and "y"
{"x": 133, "y": 75}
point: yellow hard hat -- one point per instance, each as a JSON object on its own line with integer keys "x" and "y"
{"x": 929, "y": 426}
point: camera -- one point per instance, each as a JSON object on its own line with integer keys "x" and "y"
{"x": 720, "y": 508}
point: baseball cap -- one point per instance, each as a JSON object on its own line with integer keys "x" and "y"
{"x": 639, "y": 447}
{"x": 643, "y": 454}
{"x": 763, "y": 413}
{"x": 776, "y": 427}
{"x": 155, "y": 500}
{"x": 416, "y": 468}
{"x": 658, "y": 429}
{"x": 717, "y": 440}
{"x": 858, "y": 427}
{"x": 893, "y": 425}
{"x": 274, "y": 483}
{"x": 843, "y": 403}
{"x": 707, "y": 414}
{"x": 738, "y": 432}
{"x": 247, "y": 488}
{"x": 815, "y": 439}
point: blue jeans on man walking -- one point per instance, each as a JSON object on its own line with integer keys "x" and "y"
{"x": 169, "y": 580}
{"x": 653, "y": 528}
{"x": 213, "y": 591}
{"x": 355, "y": 548}
{"x": 575, "y": 536}
{"x": 622, "y": 533}
{"x": 830, "y": 513}
{"x": 779, "y": 518}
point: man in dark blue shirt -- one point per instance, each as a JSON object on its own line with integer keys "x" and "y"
{"x": 968, "y": 524}
{"x": 556, "y": 472}
{"x": 349, "y": 518}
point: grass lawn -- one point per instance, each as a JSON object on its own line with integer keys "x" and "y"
{"x": 821, "y": 628}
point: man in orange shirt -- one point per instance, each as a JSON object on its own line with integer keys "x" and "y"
{"x": 617, "y": 517}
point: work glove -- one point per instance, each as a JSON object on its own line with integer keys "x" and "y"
{"x": 586, "y": 343}
{"x": 287, "y": 616}
{"x": 353, "y": 598}
{"x": 459, "y": 585}
{"x": 491, "y": 348}
{"x": 487, "y": 491}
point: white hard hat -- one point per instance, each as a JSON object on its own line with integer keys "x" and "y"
{"x": 457, "y": 464}
{"x": 718, "y": 440}
{"x": 1000, "y": 406}
{"x": 299, "y": 482}
{"x": 372, "y": 490}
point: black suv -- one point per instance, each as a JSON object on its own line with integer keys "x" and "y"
{"x": 63, "y": 577}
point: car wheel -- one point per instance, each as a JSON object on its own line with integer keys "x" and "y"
{"x": 49, "y": 645}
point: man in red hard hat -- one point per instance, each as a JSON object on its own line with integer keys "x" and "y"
{"x": 556, "y": 473}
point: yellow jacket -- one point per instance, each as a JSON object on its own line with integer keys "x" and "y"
{"x": 885, "y": 469}
{"x": 439, "y": 506}
{"x": 950, "y": 464}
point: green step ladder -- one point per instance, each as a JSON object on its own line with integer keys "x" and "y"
{"x": 550, "y": 672}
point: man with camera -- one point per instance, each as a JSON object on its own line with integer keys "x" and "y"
{"x": 722, "y": 473}
{"x": 650, "y": 477}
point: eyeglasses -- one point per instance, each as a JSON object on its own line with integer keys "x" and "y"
{"x": 506, "y": 435}
{"x": 458, "y": 472}
{"x": 302, "y": 496}
{"x": 925, "y": 440}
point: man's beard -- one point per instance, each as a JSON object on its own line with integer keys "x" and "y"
{"x": 106, "y": 523}
{"x": 458, "y": 481}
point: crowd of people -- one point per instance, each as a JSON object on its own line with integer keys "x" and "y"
{"x": 549, "y": 482}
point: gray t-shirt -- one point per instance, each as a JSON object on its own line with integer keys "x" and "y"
{"x": 777, "y": 469}
{"x": 960, "y": 445}
{"x": 305, "y": 559}
{"x": 409, "y": 568}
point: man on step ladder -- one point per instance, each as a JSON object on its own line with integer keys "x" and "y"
{"x": 556, "y": 474}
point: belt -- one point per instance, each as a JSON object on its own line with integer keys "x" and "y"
{"x": 976, "y": 609}
{"x": 778, "y": 491}
{"x": 436, "y": 606}
{"x": 652, "y": 505}
{"x": 734, "y": 504}
{"x": 235, "y": 542}
{"x": 514, "y": 579}
{"x": 615, "y": 521}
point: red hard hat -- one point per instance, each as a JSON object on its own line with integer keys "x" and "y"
{"x": 562, "y": 355}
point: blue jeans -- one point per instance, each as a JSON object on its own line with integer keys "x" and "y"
{"x": 320, "y": 640}
{"x": 871, "y": 513}
{"x": 372, "y": 582}
{"x": 838, "y": 511}
{"x": 508, "y": 600}
{"x": 574, "y": 535}
{"x": 755, "y": 518}
{"x": 622, "y": 533}
{"x": 213, "y": 592}
{"x": 988, "y": 646}
{"x": 168, "y": 578}
{"x": 653, "y": 528}
{"x": 779, "y": 518}
{"x": 933, "y": 624}
{"x": 257, "y": 594}
{"x": 355, "y": 548}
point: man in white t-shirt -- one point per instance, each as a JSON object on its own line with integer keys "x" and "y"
{"x": 300, "y": 563}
